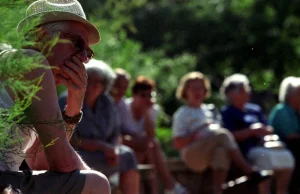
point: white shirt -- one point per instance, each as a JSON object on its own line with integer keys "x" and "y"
{"x": 128, "y": 122}
{"x": 187, "y": 120}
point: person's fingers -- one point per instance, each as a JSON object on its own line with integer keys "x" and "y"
{"x": 79, "y": 68}
{"x": 72, "y": 74}
{"x": 67, "y": 82}
{"x": 81, "y": 65}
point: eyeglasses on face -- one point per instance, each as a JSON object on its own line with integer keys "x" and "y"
{"x": 79, "y": 45}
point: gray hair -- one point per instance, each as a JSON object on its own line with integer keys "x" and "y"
{"x": 122, "y": 73}
{"x": 102, "y": 70}
{"x": 53, "y": 29}
{"x": 288, "y": 87}
{"x": 234, "y": 82}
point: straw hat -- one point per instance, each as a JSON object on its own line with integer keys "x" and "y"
{"x": 59, "y": 10}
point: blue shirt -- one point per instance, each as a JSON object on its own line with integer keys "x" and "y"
{"x": 285, "y": 120}
{"x": 102, "y": 123}
{"x": 235, "y": 120}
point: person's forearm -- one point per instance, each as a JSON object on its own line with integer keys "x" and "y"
{"x": 44, "y": 115}
{"x": 149, "y": 126}
{"x": 68, "y": 159}
{"x": 293, "y": 137}
{"x": 243, "y": 134}
{"x": 69, "y": 130}
{"x": 180, "y": 142}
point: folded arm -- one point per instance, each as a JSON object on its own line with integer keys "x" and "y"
{"x": 45, "y": 116}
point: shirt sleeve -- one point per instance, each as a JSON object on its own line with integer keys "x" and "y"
{"x": 114, "y": 137}
{"x": 283, "y": 124}
{"x": 179, "y": 125}
{"x": 227, "y": 120}
{"x": 261, "y": 116}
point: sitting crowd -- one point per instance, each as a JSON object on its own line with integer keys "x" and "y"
{"x": 118, "y": 133}
{"x": 104, "y": 133}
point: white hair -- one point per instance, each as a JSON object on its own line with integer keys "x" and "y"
{"x": 288, "y": 87}
{"x": 102, "y": 70}
{"x": 234, "y": 82}
{"x": 54, "y": 28}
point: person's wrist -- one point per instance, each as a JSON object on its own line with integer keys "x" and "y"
{"x": 72, "y": 111}
{"x": 251, "y": 132}
{"x": 74, "y": 103}
{"x": 72, "y": 120}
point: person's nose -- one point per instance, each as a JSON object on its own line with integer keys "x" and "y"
{"x": 83, "y": 56}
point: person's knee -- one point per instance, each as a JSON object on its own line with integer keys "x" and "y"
{"x": 128, "y": 156}
{"x": 222, "y": 137}
{"x": 221, "y": 159}
{"x": 95, "y": 182}
{"x": 226, "y": 139}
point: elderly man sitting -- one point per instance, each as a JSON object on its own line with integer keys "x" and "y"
{"x": 97, "y": 135}
{"x": 62, "y": 20}
{"x": 285, "y": 118}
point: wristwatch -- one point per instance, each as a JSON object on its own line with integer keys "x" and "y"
{"x": 72, "y": 120}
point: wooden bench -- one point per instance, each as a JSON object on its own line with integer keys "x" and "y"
{"x": 201, "y": 183}
{"x": 196, "y": 183}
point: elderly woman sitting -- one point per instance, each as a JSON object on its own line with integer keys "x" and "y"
{"x": 97, "y": 135}
{"x": 249, "y": 127}
{"x": 285, "y": 118}
{"x": 203, "y": 143}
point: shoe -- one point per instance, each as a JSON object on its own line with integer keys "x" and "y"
{"x": 253, "y": 178}
{"x": 178, "y": 189}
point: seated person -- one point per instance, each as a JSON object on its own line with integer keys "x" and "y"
{"x": 70, "y": 35}
{"x": 285, "y": 119}
{"x": 248, "y": 126}
{"x": 97, "y": 136}
{"x": 198, "y": 135}
{"x": 139, "y": 115}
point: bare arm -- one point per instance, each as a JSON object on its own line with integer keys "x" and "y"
{"x": 149, "y": 125}
{"x": 293, "y": 137}
{"x": 243, "y": 134}
{"x": 254, "y": 130}
{"x": 46, "y": 118}
{"x": 180, "y": 142}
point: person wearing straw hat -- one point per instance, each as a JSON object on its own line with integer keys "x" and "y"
{"x": 61, "y": 36}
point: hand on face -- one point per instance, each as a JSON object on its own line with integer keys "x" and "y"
{"x": 74, "y": 77}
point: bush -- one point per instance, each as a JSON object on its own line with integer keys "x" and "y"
{"x": 164, "y": 135}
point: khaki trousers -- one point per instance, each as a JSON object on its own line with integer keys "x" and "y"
{"x": 211, "y": 150}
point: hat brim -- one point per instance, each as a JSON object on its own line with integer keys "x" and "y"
{"x": 45, "y": 17}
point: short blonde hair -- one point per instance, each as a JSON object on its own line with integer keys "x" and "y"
{"x": 186, "y": 79}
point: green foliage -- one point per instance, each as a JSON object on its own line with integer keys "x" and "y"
{"x": 257, "y": 38}
{"x": 12, "y": 70}
{"x": 165, "y": 39}
{"x": 164, "y": 136}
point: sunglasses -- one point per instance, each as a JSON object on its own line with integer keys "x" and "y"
{"x": 80, "y": 45}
